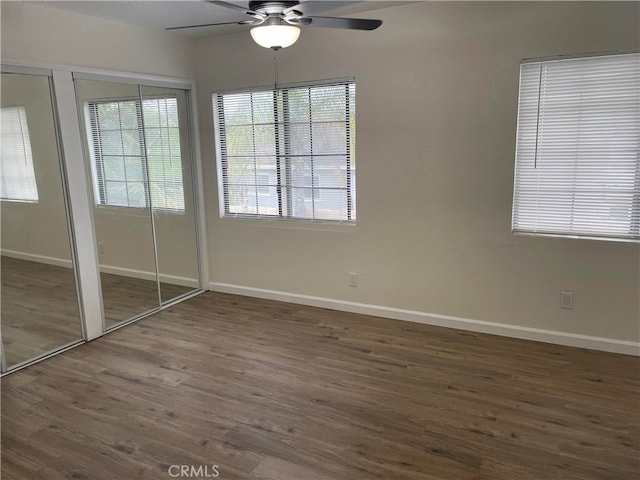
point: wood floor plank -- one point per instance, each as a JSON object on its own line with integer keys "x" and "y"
{"x": 39, "y": 307}
{"x": 268, "y": 390}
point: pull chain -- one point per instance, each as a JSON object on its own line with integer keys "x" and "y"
{"x": 275, "y": 71}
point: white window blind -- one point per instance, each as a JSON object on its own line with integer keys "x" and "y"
{"x": 17, "y": 177}
{"x": 577, "y": 148}
{"x": 288, "y": 153}
{"x": 117, "y": 142}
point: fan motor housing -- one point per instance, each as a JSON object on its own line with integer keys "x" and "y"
{"x": 270, "y": 7}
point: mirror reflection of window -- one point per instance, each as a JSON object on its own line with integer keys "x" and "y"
{"x": 39, "y": 311}
{"x": 17, "y": 177}
{"x": 117, "y": 149}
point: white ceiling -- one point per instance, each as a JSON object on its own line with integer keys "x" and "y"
{"x": 159, "y": 14}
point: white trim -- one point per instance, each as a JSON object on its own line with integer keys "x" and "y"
{"x": 578, "y": 55}
{"x": 137, "y": 79}
{"x": 493, "y": 328}
{"x": 285, "y": 86}
{"x": 182, "y": 281}
{"x": 32, "y": 257}
{"x": 80, "y": 204}
{"x": 198, "y": 186}
{"x": 125, "y": 272}
{"x": 46, "y": 72}
{"x": 89, "y": 73}
{"x": 146, "y": 275}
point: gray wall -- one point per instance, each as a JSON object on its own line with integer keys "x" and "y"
{"x": 437, "y": 101}
{"x": 47, "y": 37}
{"x": 38, "y": 228}
{"x": 437, "y": 89}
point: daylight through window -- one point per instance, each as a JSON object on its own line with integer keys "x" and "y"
{"x": 17, "y": 177}
{"x": 577, "y": 153}
{"x": 117, "y": 146}
{"x": 288, "y": 153}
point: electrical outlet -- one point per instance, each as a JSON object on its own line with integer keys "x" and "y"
{"x": 101, "y": 247}
{"x": 566, "y": 300}
{"x": 353, "y": 279}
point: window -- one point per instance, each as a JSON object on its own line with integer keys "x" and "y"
{"x": 300, "y": 140}
{"x": 577, "y": 161}
{"x": 117, "y": 146}
{"x": 17, "y": 177}
{"x": 313, "y": 192}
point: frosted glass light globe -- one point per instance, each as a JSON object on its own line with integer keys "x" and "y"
{"x": 275, "y": 36}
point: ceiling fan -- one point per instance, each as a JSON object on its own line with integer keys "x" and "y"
{"x": 275, "y": 23}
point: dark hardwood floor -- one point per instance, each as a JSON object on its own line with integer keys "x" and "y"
{"x": 39, "y": 305}
{"x": 38, "y": 308}
{"x": 125, "y": 297}
{"x": 275, "y": 391}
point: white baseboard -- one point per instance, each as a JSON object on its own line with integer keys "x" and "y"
{"x": 31, "y": 257}
{"x": 125, "y": 272}
{"x": 505, "y": 330}
{"x": 144, "y": 275}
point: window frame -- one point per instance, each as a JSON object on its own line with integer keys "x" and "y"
{"x": 284, "y": 188}
{"x": 97, "y": 160}
{"x": 27, "y": 157}
{"x": 633, "y": 235}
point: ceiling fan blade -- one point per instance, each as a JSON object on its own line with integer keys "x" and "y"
{"x": 338, "y": 22}
{"x": 236, "y": 7}
{"x": 311, "y": 7}
{"x": 244, "y": 22}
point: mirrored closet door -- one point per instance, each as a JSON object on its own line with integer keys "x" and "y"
{"x": 39, "y": 310}
{"x": 138, "y": 148}
{"x": 168, "y": 145}
{"x": 115, "y": 153}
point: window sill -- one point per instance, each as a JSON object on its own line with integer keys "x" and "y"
{"x": 135, "y": 211}
{"x": 15, "y": 200}
{"x": 571, "y": 236}
{"x": 291, "y": 223}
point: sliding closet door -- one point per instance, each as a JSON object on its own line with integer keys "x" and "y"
{"x": 39, "y": 302}
{"x": 168, "y": 145}
{"x": 113, "y": 124}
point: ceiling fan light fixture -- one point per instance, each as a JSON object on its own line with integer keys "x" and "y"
{"x": 275, "y": 36}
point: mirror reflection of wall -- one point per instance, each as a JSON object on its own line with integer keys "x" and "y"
{"x": 138, "y": 147}
{"x": 39, "y": 302}
{"x": 114, "y": 149}
{"x": 168, "y": 146}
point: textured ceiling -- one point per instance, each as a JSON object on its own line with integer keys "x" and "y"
{"x": 160, "y": 14}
